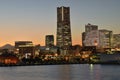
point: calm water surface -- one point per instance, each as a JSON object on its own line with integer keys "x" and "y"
{"x": 61, "y": 72}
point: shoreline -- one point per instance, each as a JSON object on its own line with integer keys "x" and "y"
{"x": 13, "y": 65}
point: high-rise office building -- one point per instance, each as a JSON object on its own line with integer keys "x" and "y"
{"x": 91, "y": 38}
{"x": 64, "y": 40}
{"x": 88, "y": 28}
{"x": 49, "y": 41}
{"x": 98, "y": 38}
{"x": 106, "y": 38}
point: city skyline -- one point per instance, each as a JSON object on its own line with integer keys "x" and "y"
{"x": 31, "y": 20}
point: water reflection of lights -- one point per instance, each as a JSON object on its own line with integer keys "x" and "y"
{"x": 95, "y": 71}
{"x": 91, "y": 67}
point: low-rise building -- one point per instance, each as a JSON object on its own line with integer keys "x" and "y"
{"x": 25, "y": 48}
{"x": 9, "y": 59}
{"x": 110, "y": 57}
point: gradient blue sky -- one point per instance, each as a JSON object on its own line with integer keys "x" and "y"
{"x": 33, "y": 19}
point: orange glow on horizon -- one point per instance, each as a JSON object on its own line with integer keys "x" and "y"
{"x": 42, "y": 43}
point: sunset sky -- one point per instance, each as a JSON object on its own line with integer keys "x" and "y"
{"x": 33, "y": 19}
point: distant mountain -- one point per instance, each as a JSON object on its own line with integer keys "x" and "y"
{"x": 7, "y": 46}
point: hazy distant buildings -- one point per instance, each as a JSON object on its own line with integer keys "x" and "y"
{"x": 49, "y": 40}
{"x": 64, "y": 40}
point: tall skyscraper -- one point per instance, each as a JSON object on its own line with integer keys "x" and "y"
{"x": 64, "y": 40}
{"x": 49, "y": 41}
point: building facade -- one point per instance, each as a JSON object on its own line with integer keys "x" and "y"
{"x": 98, "y": 38}
{"x": 88, "y": 28}
{"x": 116, "y": 41}
{"x": 91, "y": 38}
{"x": 25, "y": 48}
{"x": 23, "y": 43}
{"x": 64, "y": 40}
{"x": 106, "y": 38}
{"x": 49, "y": 40}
